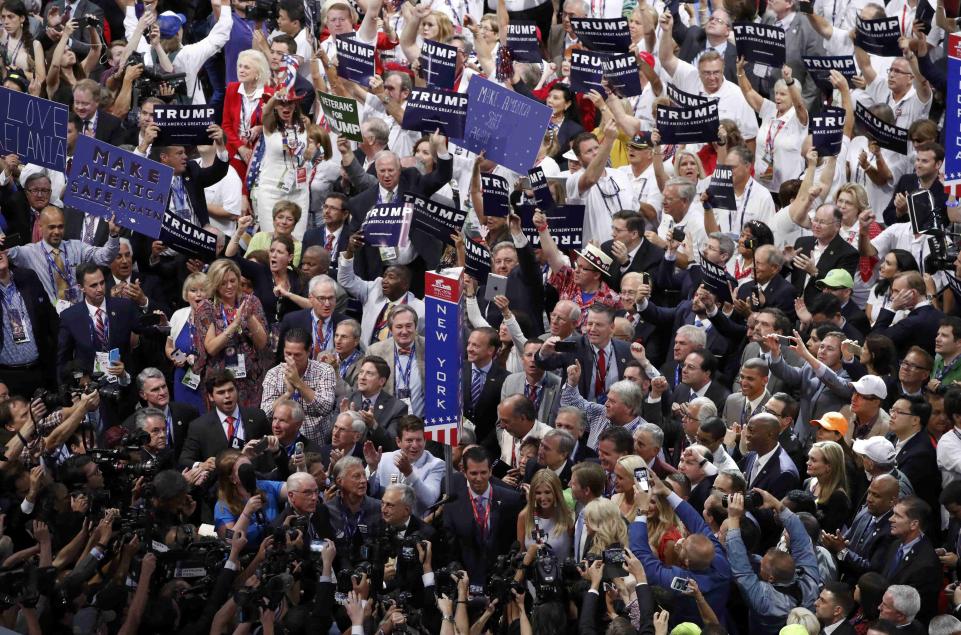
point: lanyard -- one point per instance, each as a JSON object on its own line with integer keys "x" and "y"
{"x": 947, "y": 369}
{"x": 12, "y": 57}
{"x": 327, "y": 332}
{"x": 742, "y": 211}
{"x": 63, "y": 273}
{"x": 351, "y": 521}
{"x": 344, "y": 365}
{"x": 405, "y": 373}
{"x": 13, "y": 300}
{"x": 224, "y": 316}
{"x": 769, "y": 142}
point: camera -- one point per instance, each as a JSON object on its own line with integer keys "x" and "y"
{"x": 263, "y": 11}
{"x": 943, "y": 252}
{"x": 677, "y": 234}
{"x": 90, "y": 21}
{"x": 546, "y": 576}
{"x": 752, "y": 500}
{"x": 446, "y": 579}
{"x": 679, "y": 584}
{"x": 149, "y": 83}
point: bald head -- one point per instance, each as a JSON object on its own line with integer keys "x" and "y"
{"x": 699, "y": 551}
{"x": 51, "y": 225}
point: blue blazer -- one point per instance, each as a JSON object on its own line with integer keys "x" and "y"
{"x": 778, "y": 476}
{"x": 918, "y": 328}
{"x": 682, "y": 315}
{"x": 76, "y": 339}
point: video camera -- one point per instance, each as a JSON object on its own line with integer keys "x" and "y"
{"x": 264, "y": 11}
{"x": 148, "y": 84}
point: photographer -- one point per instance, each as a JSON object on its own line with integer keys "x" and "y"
{"x": 402, "y": 529}
{"x": 154, "y": 453}
{"x": 784, "y": 581}
{"x": 302, "y": 508}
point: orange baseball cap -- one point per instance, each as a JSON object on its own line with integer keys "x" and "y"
{"x": 832, "y": 421}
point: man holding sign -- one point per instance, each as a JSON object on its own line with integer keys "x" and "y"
{"x": 903, "y": 87}
{"x": 707, "y": 80}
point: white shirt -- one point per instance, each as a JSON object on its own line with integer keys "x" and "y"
{"x": 191, "y": 58}
{"x": 878, "y": 195}
{"x": 645, "y": 187}
{"x": 779, "y": 146}
{"x": 228, "y": 193}
{"x": 908, "y": 109}
{"x": 840, "y": 13}
{"x": 901, "y": 236}
{"x": 238, "y": 423}
{"x": 731, "y": 103}
{"x": 92, "y": 310}
{"x": 695, "y": 236}
{"x": 785, "y": 230}
{"x": 612, "y": 193}
{"x": 305, "y": 52}
{"x": 760, "y": 462}
{"x": 372, "y": 297}
{"x": 754, "y": 203}
{"x": 511, "y": 445}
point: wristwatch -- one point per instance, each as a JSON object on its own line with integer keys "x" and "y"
{"x": 843, "y": 554}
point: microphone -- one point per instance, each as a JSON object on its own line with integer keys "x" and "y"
{"x": 249, "y": 480}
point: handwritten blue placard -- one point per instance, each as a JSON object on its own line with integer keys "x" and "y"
{"x": 34, "y": 129}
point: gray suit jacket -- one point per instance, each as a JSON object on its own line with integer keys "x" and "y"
{"x": 549, "y": 402}
{"x": 387, "y": 411}
{"x": 800, "y": 39}
{"x": 817, "y": 396}
{"x": 385, "y": 349}
{"x": 734, "y": 406}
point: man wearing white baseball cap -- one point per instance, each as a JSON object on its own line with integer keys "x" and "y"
{"x": 868, "y": 418}
{"x": 877, "y": 455}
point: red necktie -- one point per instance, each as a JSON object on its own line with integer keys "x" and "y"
{"x": 319, "y": 343}
{"x": 230, "y": 427}
{"x": 532, "y": 393}
{"x": 600, "y": 379}
{"x": 101, "y": 329}
{"x": 329, "y": 245}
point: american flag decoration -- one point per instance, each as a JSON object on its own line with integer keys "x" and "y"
{"x": 442, "y": 359}
{"x": 290, "y": 65}
{"x": 952, "y": 121}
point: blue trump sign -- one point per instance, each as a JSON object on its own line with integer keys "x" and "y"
{"x": 105, "y": 180}
{"x": 34, "y": 129}
{"x": 507, "y": 126}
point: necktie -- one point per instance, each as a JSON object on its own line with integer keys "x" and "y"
{"x": 230, "y": 428}
{"x": 578, "y": 536}
{"x": 755, "y": 469}
{"x": 89, "y": 223}
{"x": 88, "y": 128}
{"x": 381, "y": 327}
{"x": 513, "y": 452}
{"x": 532, "y": 393}
{"x": 101, "y": 329}
{"x": 61, "y": 283}
{"x": 390, "y": 196}
{"x": 69, "y": 163}
{"x": 476, "y": 384}
{"x": 893, "y": 566}
{"x": 601, "y": 375}
{"x": 329, "y": 243}
{"x": 66, "y": 14}
{"x": 365, "y": 404}
{"x": 481, "y": 502}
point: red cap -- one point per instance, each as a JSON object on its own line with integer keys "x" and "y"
{"x": 647, "y": 57}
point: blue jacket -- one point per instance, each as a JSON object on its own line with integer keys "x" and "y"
{"x": 714, "y": 583}
{"x": 767, "y": 605}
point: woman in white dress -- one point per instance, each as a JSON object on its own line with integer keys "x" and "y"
{"x": 284, "y": 167}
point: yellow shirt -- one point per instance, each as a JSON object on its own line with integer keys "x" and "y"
{"x": 261, "y": 241}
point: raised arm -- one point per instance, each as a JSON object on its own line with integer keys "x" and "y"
{"x": 93, "y": 55}
{"x": 794, "y": 88}
{"x": 920, "y": 84}
{"x": 408, "y": 36}
{"x": 595, "y": 169}
{"x": 754, "y": 98}
{"x": 864, "y": 63}
{"x": 552, "y": 255}
{"x": 368, "y": 28}
{"x": 665, "y": 51}
{"x": 798, "y": 209}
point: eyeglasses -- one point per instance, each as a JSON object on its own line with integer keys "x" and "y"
{"x": 897, "y": 71}
{"x": 719, "y": 21}
{"x": 913, "y": 367}
{"x": 325, "y": 299}
{"x": 771, "y": 412}
{"x": 39, "y": 191}
{"x": 307, "y": 492}
{"x": 327, "y": 207}
{"x": 895, "y": 413}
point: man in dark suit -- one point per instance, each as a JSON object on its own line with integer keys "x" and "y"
{"x": 154, "y": 393}
{"x": 320, "y": 320}
{"x": 693, "y": 40}
{"x": 226, "y": 426}
{"x": 96, "y": 123}
{"x": 821, "y": 252}
{"x": 33, "y": 321}
{"x": 483, "y": 517}
{"x": 482, "y": 380}
{"x": 397, "y": 504}
{"x": 699, "y": 379}
{"x": 910, "y": 559}
{"x": 916, "y": 457}
{"x": 920, "y": 326}
{"x": 768, "y": 288}
{"x": 123, "y": 282}
{"x": 389, "y": 186}
{"x": 334, "y": 233}
{"x": 927, "y": 167}
{"x": 303, "y": 496}
{"x": 92, "y": 328}
{"x": 629, "y": 250}
{"x": 381, "y": 410}
{"x": 347, "y": 438}
{"x": 766, "y": 465}
{"x": 869, "y": 533}
{"x": 22, "y": 207}
{"x": 602, "y": 358}
{"x": 574, "y": 422}
{"x": 832, "y": 607}
{"x": 694, "y": 311}
{"x": 554, "y": 453}
{"x": 525, "y": 284}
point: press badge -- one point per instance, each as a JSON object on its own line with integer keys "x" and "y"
{"x": 388, "y": 254}
{"x": 301, "y": 176}
{"x": 101, "y": 362}
{"x": 760, "y": 70}
{"x": 235, "y": 363}
{"x": 287, "y": 182}
{"x": 62, "y": 305}
{"x": 17, "y": 326}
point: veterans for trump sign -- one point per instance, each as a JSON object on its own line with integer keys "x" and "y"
{"x": 106, "y": 181}
{"x": 184, "y": 124}
{"x": 428, "y": 109}
{"x": 760, "y": 43}
{"x": 34, "y": 129}
{"x": 342, "y": 115}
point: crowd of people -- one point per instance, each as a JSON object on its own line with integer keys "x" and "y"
{"x": 645, "y": 445}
